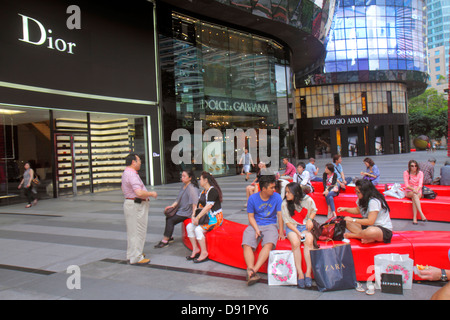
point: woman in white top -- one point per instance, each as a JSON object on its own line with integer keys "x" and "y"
{"x": 298, "y": 230}
{"x": 375, "y": 225}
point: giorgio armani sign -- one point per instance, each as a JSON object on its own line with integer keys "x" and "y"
{"x": 344, "y": 121}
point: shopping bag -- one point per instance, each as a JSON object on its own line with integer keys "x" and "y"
{"x": 395, "y": 191}
{"x": 334, "y": 268}
{"x": 394, "y": 263}
{"x": 391, "y": 283}
{"x": 281, "y": 268}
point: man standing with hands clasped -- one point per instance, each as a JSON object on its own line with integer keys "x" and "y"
{"x": 135, "y": 208}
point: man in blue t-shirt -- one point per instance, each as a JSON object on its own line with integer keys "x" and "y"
{"x": 264, "y": 211}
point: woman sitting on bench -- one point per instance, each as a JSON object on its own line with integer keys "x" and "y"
{"x": 375, "y": 225}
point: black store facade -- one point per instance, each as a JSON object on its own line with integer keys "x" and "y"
{"x": 354, "y": 135}
{"x": 78, "y": 91}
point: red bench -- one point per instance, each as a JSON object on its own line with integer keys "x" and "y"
{"x": 440, "y": 190}
{"x": 435, "y": 210}
{"x": 424, "y": 247}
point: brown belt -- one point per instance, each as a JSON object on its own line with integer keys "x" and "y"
{"x": 137, "y": 198}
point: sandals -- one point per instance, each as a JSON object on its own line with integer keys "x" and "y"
{"x": 189, "y": 258}
{"x": 252, "y": 278}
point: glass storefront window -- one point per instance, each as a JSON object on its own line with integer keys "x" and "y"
{"x": 225, "y": 79}
{"x": 24, "y": 137}
{"x": 88, "y": 150}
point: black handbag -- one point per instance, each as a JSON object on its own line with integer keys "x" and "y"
{"x": 334, "y": 268}
{"x": 204, "y": 219}
{"x": 428, "y": 193}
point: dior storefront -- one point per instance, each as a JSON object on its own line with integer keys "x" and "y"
{"x": 78, "y": 92}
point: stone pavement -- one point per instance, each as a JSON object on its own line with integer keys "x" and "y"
{"x": 39, "y": 244}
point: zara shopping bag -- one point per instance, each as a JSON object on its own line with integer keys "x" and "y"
{"x": 394, "y": 263}
{"x": 334, "y": 268}
{"x": 281, "y": 269}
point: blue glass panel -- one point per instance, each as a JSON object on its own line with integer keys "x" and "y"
{"x": 348, "y": 3}
{"x": 331, "y": 56}
{"x": 330, "y": 67}
{"x": 393, "y": 64}
{"x": 341, "y": 66}
{"x": 384, "y": 64}
{"x": 363, "y": 64}
{"x": 352, "y": 65}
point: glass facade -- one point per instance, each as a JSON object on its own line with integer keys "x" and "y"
{"x": 302, "y": 14}
{"x": 222, "y": 78}
{"x": 377, "y": 35}
{"x": 71, "y": 152}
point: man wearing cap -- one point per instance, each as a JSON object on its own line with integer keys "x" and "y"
{"x": 135, "y": 208}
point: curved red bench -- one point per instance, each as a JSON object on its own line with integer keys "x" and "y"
{"x": 440, "y": 190}
{"x": 424, "y": 247}
{"x": 435, "y": 210}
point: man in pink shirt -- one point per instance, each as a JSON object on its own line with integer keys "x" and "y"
{"x": 290, "y": 168}
{"x": 135, "y": 208}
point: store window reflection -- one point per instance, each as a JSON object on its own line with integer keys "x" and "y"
{"x": 222, "y": 77}
{"x": 87, "y": 154}
{"x": 24, "y": 137}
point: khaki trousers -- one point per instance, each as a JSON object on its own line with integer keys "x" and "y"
{"x": 136, "y": 219}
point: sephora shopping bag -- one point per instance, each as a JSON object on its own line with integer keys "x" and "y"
{"x": 334, "y": 268}
{"x": 394, "y": 263}
{"x": 281, "y": 268}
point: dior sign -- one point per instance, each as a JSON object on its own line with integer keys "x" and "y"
{"x": 45, "y": 36}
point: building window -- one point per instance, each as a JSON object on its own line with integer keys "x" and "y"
{"x": 337, "y": 105}
{"x": 438, "y": 68}
{"x": 364, "y": 102}
{"x": 303, "y": 112}
{"x": 437, "y": 60}
{"x": 389, "y": 101}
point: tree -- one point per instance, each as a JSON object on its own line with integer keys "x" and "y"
{"x": 428, "y": 115}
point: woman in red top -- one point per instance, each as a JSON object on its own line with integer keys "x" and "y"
{"x": 413, "y": 179}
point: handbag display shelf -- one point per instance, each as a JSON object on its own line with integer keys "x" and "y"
{"x": 424, "y": 247}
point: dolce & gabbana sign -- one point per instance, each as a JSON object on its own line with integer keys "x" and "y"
{"x": 344, "y": 121}
{"x": 241, "y": 106}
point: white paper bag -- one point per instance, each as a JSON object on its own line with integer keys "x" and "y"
{"x": 395, "y": 191}
{"x": 394, "y": 263}
{"x": 281, "y": 269}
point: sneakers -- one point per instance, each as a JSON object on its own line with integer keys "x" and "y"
{"x": 141, "y": 261}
